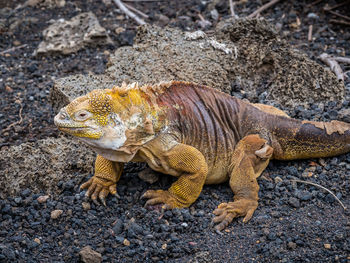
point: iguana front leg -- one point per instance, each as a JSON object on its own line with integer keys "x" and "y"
{"x": 189, "y": 165}
{"x": 104, "y": 181}
{"x": 250, "y": 158}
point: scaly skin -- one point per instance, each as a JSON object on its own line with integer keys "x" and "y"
{"x": 195, "y": 133}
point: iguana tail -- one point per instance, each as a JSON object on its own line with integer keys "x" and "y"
{"x": 295, "y": 139}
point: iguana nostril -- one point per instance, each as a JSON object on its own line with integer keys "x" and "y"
{"x": 63, "y": 115}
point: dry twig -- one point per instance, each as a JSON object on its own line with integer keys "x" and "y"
{"x": 136, "y": 11}
{"x": 340, "y": 22}
{"x": 337, "y": 14}
{"x": 13, "y": 49}
{"x": 232, "y": 9}
{"x": 16, "y": 122}
{"x": 262, "y": 8}
{"x": 314, "y": 3}
{"x": 125, "y": 10}
{"x": 342, "y": 59}
{"x": 322, "y": 187}
{"x": 309, "y": 35}
{"x": 333, "y": 64}
{"x": 201, "y": 17}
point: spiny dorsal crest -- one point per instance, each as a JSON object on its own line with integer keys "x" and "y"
{"x": 125, "y": 88}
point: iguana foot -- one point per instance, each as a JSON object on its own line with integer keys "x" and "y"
{"x": 99, "y": 188}
{"x": 226, "y": 212}
{"x": 161, "y": 197}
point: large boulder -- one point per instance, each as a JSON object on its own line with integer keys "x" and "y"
{"x": 41, "y": 165}
{"x": 241, "y": 56}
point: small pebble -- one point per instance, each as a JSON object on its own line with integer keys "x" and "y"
{"x": 88, "y": 255}
{"x": 278, "y": 180}
{"x": 86, "y": 206}
{"x": 327, "y": 246}
{"x": 42, "y": 199}
{"x": 56, "y": 213}
{"x": 126, "y": 242}
{"x": 294, "y": 202}
{"x": 214, "y": 14}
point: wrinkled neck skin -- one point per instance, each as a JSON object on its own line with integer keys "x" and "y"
{"x": 121, "y": 139}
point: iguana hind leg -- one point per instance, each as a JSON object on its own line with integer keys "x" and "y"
{"x": 250, "y": 158}
{"x": 190, "y": 166}
{"x": 104, "y": 181}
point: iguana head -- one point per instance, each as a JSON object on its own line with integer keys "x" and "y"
{"x": 113, "y": 119}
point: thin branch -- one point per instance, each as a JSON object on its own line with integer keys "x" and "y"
{"x": 125, "y": 10}
{"x": 342, "y": 59}
{"x": 322, "y": 187}
{"x": 262, "y": 8}
{"x": 337, "y": 14}
{"x": 17, "y": 122}
{"x": 13, "y": 49}
{"x": 232, "y": 9}
{"x": 201, "y": 17}
{"x": 309, "y": 35}
{"x": 314, "y": 3}
{"x": 340, "y": 22}
{"x": 136, "y": 11}
{"x": 333, "y": 64}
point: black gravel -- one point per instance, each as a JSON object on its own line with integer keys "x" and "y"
{"x": 295, "y": 222}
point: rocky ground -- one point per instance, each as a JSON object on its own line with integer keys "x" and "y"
{"x": 294, "y": 222}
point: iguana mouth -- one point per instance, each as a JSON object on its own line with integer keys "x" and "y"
{"x": 81, "y": 131}
{"x": 72, "y": 127}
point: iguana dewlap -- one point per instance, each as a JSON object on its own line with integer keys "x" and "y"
{"x": 195, "y": 133}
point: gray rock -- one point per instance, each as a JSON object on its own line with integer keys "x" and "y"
{"x": 294, "y": 202}
{"x": 214, "y": 14}
{"x": 162, "y": 20}
{"x": 312, "y": 16}
{"x": 69, "y": 36}
{"x": 148, "y": 175}
{"x": 118, "y": 227}
{"x": 42, "y": 164}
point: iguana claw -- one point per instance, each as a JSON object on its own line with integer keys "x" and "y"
{"x": 98, "y": 189}
{"x": 226, "y": 212}
{"x": 159, "y": 197}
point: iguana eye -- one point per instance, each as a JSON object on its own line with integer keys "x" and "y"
{"x": 82, "y": 115}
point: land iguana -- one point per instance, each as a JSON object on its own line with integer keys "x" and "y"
{"x": 195, "y": 133}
